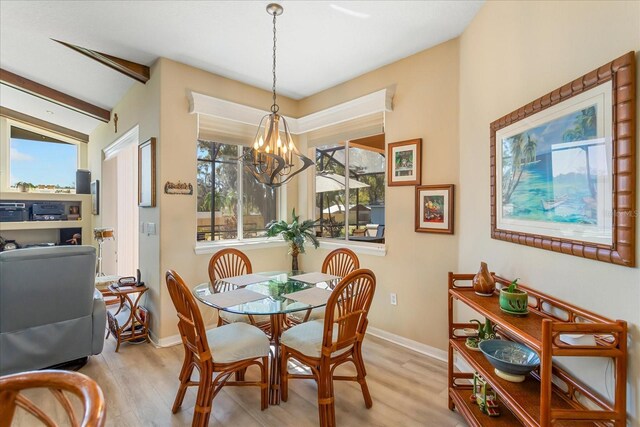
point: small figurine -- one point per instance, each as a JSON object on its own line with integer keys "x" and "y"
{"x": 484, "y": 396}
{"x": 485, "y": 332}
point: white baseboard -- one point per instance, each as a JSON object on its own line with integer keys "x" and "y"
{"x": 416, "y": 346}
{"x": 166, "y": 341}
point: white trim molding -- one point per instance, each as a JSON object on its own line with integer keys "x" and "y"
{"x": 376, "y": 102}
{"x": 130, "y": 137}
{"x": 169, "y": 341}
{"x": 416, "y": 346}
{"x": 202, "y": 248}
{"x": 375, "y": 249}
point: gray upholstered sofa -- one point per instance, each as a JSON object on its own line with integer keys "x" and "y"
{"x": 50, "y": 311}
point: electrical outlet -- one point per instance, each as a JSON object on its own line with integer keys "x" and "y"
{"x": 394, "y": 298}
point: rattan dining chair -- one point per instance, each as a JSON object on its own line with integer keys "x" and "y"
{"x": 225, "y": 350}
{"x": 323, "y": 345}
{"x": 94, "y": 411}
{"x": 229, "y": 263}
{"x": 339, "y": 262}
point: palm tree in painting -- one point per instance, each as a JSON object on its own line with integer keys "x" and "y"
{"x": 522, "y": 151}
{"x": 584, "y": 128}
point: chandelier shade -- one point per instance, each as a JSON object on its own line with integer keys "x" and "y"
{"x": 274, "y": 159}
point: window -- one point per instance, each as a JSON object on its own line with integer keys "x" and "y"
{"x": 360, "y": 216}
{"x": 232, "y": 205}
{"x": 43, "y": 163}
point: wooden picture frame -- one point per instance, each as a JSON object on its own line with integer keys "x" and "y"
{"x": 434, "y": 208}
{"x": 147, "y": 174}
{"x": 95, "y": 197}
{"x": 404, "y": 162}
{"x": 564, "y": 168}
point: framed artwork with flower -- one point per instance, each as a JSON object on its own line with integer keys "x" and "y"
{"x": 434, "y": 208}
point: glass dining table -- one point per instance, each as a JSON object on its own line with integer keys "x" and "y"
{"x": 275, "y": 304}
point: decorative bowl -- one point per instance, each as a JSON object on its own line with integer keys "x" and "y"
{"x": 511, "y": 360}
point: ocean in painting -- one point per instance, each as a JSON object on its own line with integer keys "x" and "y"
{"x": 551, "y": 172}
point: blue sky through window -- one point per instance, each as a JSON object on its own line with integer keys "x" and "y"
{"x": 44, "y": 163}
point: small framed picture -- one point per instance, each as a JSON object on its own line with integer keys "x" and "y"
{"x": 434, "y": 209}
{"x": 95, "y": 197}
{"x": 147, "y": 174}
{"x": 404, "y": 162}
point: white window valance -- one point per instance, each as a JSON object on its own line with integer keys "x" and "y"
{"x": 376, "y": 102}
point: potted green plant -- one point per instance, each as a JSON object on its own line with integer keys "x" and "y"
{"x": 295, "y": 233}
{"x": 514, "y": 300}
{"x": 24, "y": 187}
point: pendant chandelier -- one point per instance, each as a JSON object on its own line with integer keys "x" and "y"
{"x": 274, "y": 158}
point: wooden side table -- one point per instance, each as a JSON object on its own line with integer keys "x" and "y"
{"x": 130, "y": 322}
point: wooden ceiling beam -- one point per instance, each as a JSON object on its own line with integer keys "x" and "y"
{"x": 41, "y": 91}
{"x": 134, "y": 70}
{"x": 43, "y": 124}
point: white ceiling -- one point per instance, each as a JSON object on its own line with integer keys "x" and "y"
{"x": 320, "y": 43}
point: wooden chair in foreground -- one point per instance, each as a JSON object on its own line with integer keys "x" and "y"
{"x": 229, "y": 263}
{"x": 225, "y": 350}
{"x": 87, "y": 390}
{"x": 339, "y": 262}
{"x": 323, "y": 345}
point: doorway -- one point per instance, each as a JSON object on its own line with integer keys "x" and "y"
{"x": 120, "y": 204}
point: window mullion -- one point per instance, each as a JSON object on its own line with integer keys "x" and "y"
{"x": 346, "y": 189}
{"x": 240, "y": 216}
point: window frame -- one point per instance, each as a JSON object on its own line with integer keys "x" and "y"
{"x": 209, "y": 246}
{"x": 364, "y": 248}
{"x": 5, "y": 151}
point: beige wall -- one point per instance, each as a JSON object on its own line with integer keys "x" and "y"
{"x": 179, "y": 129}
{"x": 425, "y": 105}
{"x": 139, "y": 107}
{"x": 511, "y": 54}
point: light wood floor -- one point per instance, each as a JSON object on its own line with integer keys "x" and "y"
{"x": 140, "y": 382}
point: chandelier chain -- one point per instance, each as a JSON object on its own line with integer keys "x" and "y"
{"x": 274, "y": 107}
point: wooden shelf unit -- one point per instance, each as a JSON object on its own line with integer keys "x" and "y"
{"x": 549, "y": 396}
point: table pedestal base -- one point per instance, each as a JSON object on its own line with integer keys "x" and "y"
{"x": 277, "y": 325}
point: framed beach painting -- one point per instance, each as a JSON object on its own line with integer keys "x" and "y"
{"x": 563, "y": 168}
{"x": 404, "y": 162}
{"x": 434, "y": 209}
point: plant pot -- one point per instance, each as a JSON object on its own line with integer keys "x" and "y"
{"x": 516, "y": 302}
{"x": 23, "y": 188}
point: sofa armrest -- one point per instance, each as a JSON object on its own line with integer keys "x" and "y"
{"x": 99, "y": 318}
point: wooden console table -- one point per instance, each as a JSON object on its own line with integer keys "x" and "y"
{"x": 130, "y": 322}
{"x": 538, "y": 401}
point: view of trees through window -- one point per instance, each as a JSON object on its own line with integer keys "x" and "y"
{"x": 360, "y": 216}
{"x": 231, "y": 203}
{"x": 41, "y": 163}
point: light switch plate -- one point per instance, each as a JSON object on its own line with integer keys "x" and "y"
{"x": 151, "y": 229}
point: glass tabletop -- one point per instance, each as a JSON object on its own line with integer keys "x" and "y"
{"x": 273, "y": 289}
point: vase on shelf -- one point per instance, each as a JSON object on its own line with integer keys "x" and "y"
{"x": 483, "y": 282}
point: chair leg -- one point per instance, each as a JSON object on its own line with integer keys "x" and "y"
{"x": 264, "y": 383}
{"x": 361, "y": 374}
{"x": 326, "y": 403}
{"x": 284, "y": 373}
{"x": 185, "y": 377}
{"x": 240, "y": 374}
{"x": 202, "y": 410}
